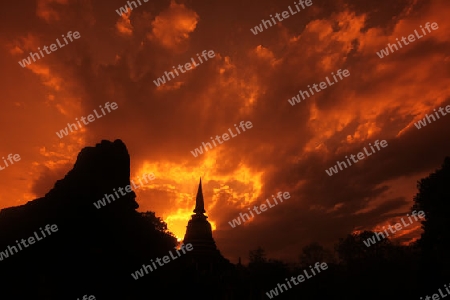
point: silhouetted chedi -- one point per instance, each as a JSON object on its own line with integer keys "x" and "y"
{"x": 205, "y": 266}
{"x": 94, "y": 251}
{"x": 199, "y": 232}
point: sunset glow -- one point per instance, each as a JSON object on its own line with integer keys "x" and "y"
{"x": 252, "y": 77}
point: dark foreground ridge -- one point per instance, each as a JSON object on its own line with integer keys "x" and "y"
{"x": 79, "y": 250}
{"x": 94, "y": 250}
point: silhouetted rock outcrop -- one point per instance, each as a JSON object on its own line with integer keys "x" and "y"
{"x": 90, "y": 250}
{"x": 94, "y": 250}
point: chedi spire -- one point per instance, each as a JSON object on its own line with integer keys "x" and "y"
{"x": 199, "y": 202}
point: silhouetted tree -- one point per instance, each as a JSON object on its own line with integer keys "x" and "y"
{"x": 313, "y": 253}
{"x": 156, "y": 222}
{"x": 352, "y": 250}
{"x": 257, "y": 256}
{"x": 434, "y": 199}
{"x": 265, "y": 272}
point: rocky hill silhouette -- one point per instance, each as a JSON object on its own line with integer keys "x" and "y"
{"x": 94, "y": 250}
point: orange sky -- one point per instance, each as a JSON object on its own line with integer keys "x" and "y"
{"x": 250, "y": 78}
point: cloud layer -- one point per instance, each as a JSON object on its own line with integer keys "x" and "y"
{"x": 250, "y": 79}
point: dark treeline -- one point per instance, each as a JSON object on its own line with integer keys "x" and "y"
{"x": 95, "y": 250}
{"x": 382, "y": 271}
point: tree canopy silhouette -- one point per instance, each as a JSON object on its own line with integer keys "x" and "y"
{"x": 434, "y": 199}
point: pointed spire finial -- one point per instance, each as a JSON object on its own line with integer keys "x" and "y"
{"x": 199, "y": 203}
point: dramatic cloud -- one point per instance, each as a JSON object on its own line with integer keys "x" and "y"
{"x": 251, "y": 78}
{"x": 172, "y": 27}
